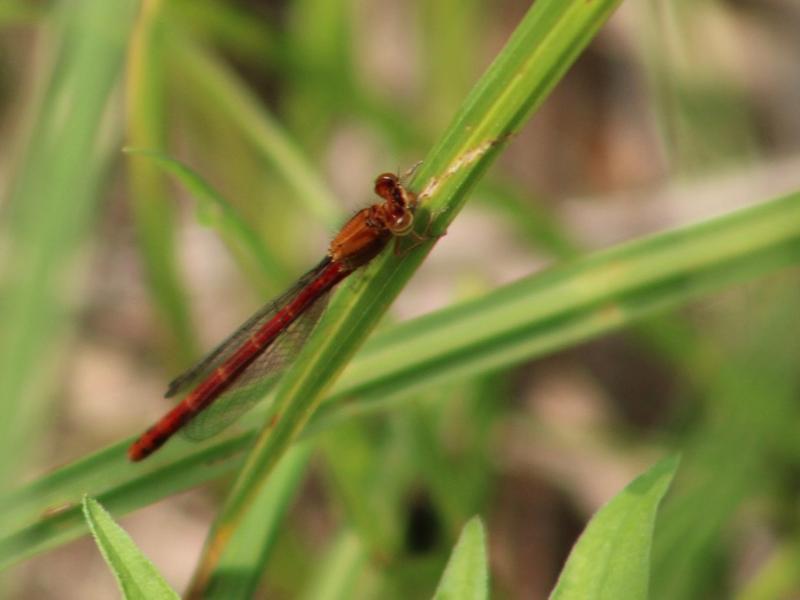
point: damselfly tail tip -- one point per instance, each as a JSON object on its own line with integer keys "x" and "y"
{"x": 137, "y": 452}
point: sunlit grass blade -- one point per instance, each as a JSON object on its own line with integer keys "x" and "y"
{"x": 467, "y": 574}
{"x": 611, "y": 559}
{"x": 217, "y": 212}
{"x": 546, "y": 42}
{"x": 521, "y": 321}
{"x": 681, "y": 341}
{"x": 136, "y": 575}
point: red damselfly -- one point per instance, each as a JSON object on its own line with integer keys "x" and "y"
{"x": 236, "y": 374}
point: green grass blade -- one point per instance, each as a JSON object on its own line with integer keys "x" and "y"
{"x": 47, "y": 209}
{"x": 574, "y": 302}
{"x": 136, "y": 575}
{"x": 752, "y": 413}
{"x": 777, "y": 578}
{"x": 546, "y": 42}
{"x": 538, "y": 53}
{"x": 207, "y": 77}
{"x": 217, "y": 212}
{"x": 236, "y": 29}
{"x": 450, "y": 29}
{"x": 242, "y": 566}
{"x": 611, "y": 559}
{"x": 339, "y": 570}
{"x": 47, "y": 512}
{"x": 367, "y": 482}
{"x": 322, "y": 43}
{"x": 467, "y": 572}
{"x": 152, "y": 209}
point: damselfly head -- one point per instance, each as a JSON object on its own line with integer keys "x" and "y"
{"x": 400, "y": 203}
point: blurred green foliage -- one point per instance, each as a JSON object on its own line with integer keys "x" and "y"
{"x": 419, "y": 433}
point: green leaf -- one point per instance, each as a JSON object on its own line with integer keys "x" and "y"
{"x": 611, "y": 559}
{"x": 242, "y": 565}
{"x": 48, "y": 206}
{"x": 339, "y": 569}
{"x": 466, "y": 576}
{"x": 136, "y": 575}
{"x": 213, "y": 210}
{"x": 749, "y": 420}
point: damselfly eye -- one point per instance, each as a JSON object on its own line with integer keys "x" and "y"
{"x": 385, "y": 185}
{"x": 402, "y": 224}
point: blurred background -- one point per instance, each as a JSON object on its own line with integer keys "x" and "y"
{"x": 113, "y": 281}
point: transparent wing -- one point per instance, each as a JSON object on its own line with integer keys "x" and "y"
{"x": 211, "y": 361}
{"x": 257, "y": 379}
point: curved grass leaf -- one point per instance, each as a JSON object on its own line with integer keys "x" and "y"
{"x": 215, "y": 211}
{"x": 466, "y": 576}
{"x": 136, "y": 575}
{"x": 611, "y": 559}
